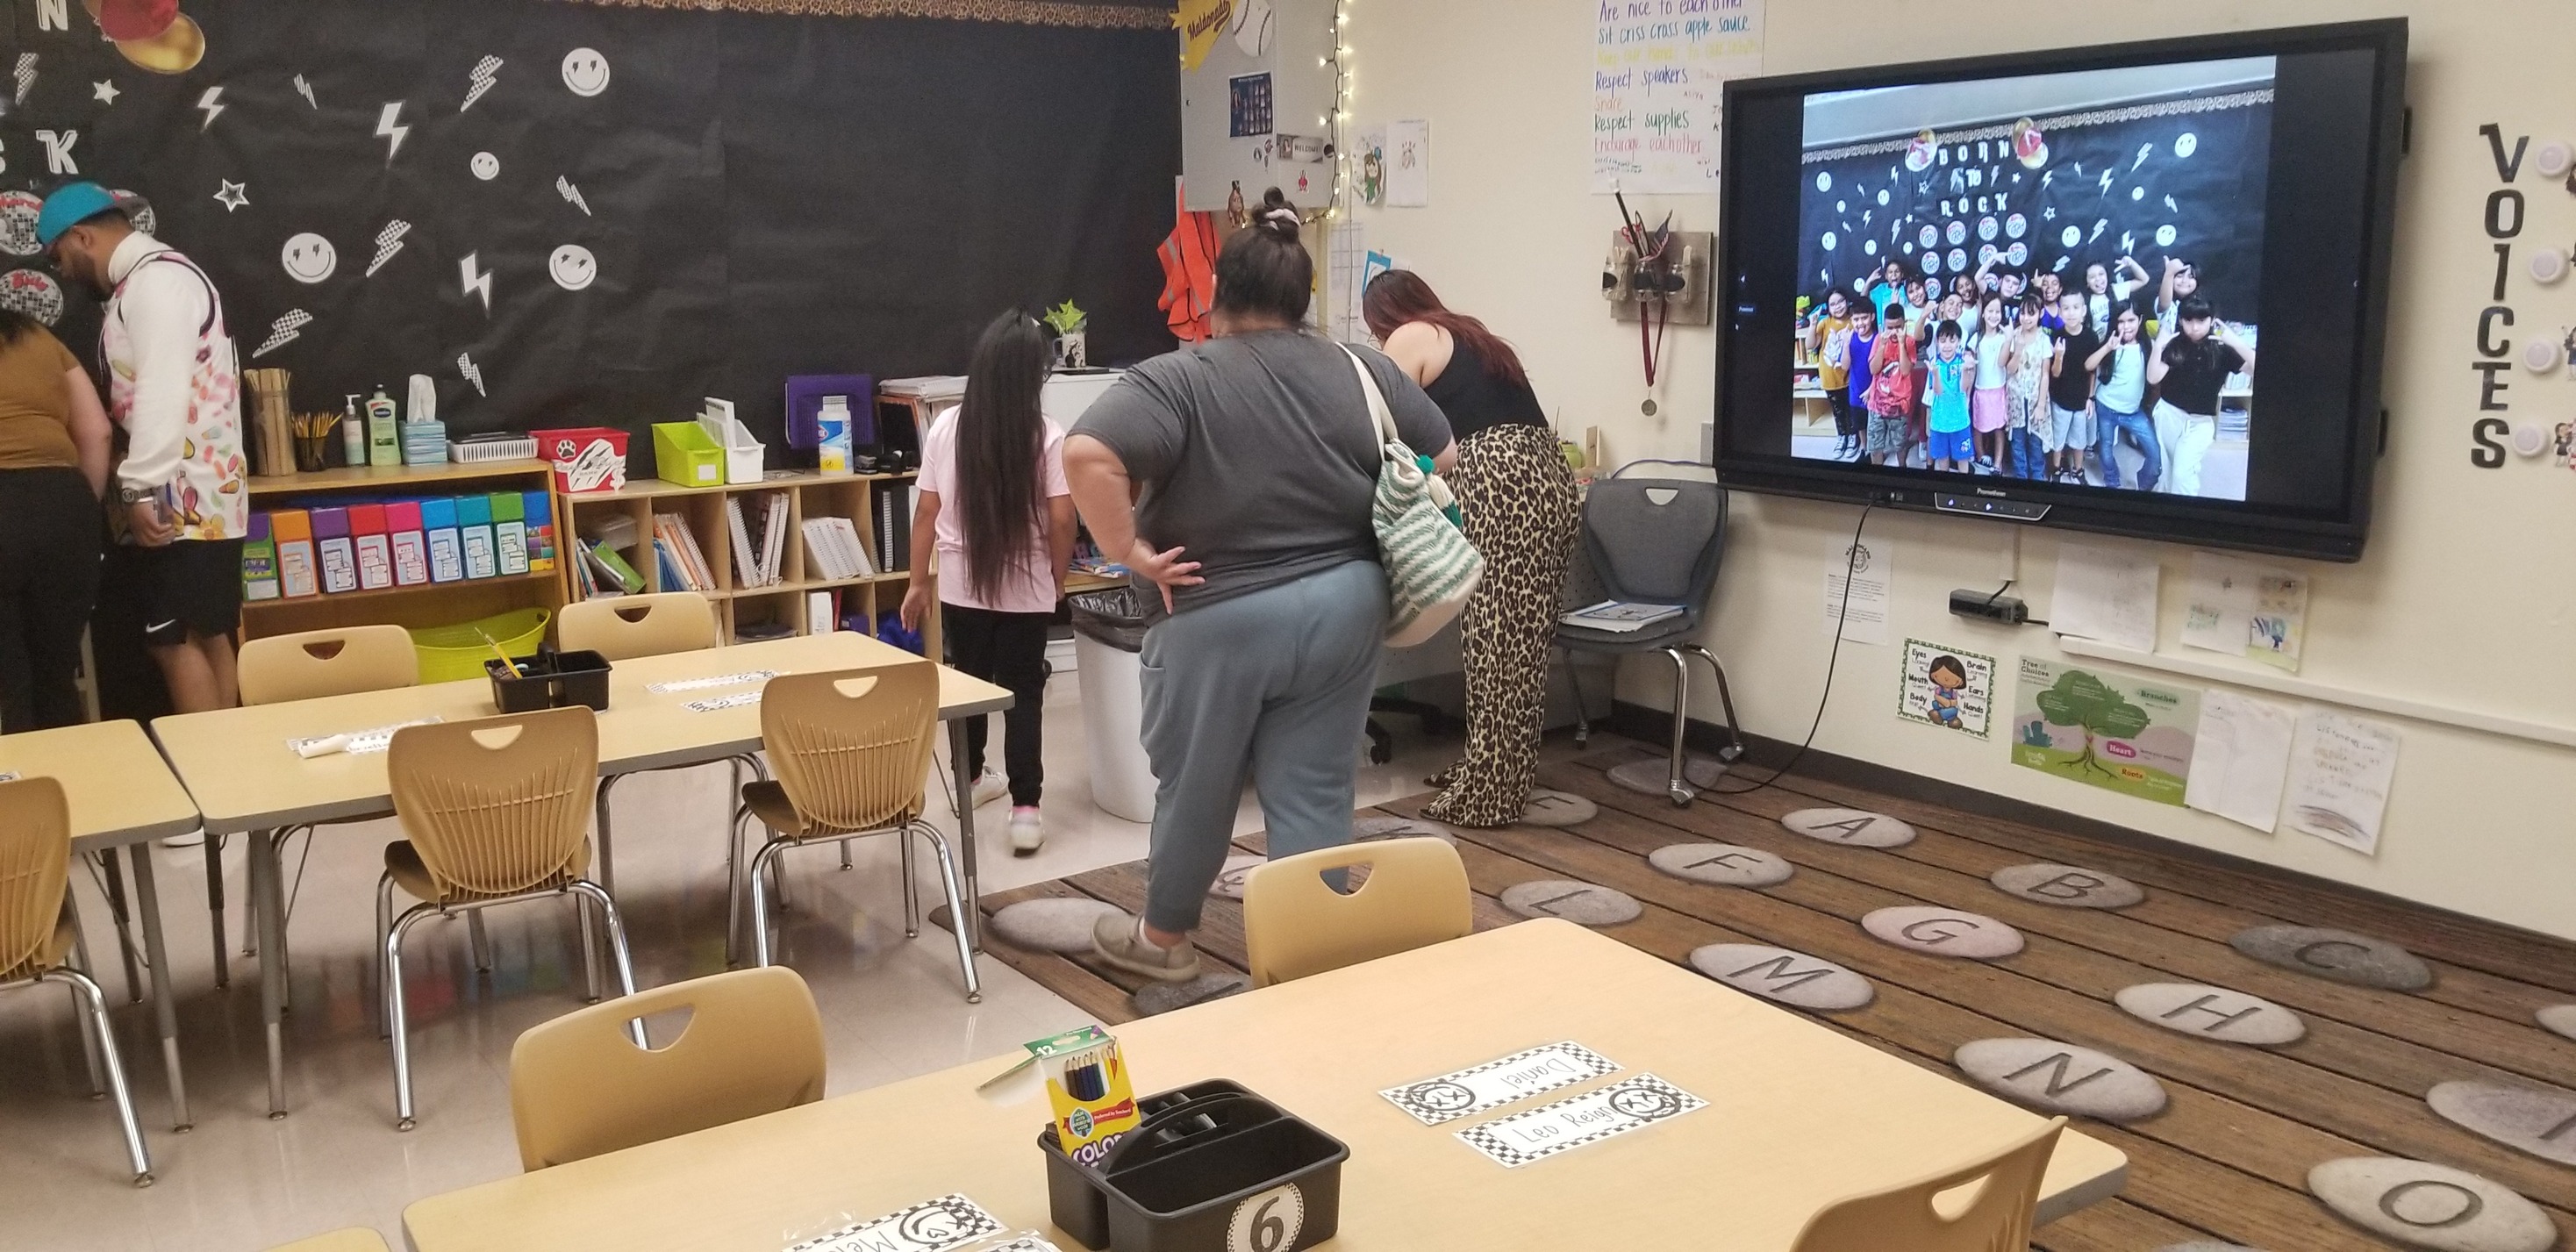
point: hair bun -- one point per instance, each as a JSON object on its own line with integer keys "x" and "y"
{"x": 1278, "y": 216}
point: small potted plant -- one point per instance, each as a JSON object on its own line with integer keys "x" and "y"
{"x": 1071, "y": 353}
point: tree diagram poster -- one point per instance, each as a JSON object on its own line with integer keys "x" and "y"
{"x": 2105, "y": 730}
{"x": 1951, "y": 688}
{"x": 1656, "y": 67}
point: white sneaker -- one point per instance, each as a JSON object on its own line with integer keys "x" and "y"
{"x": 990, "y": 787}
{"x": 1028, "y": 834}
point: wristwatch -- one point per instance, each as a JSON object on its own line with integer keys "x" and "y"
{"x": 135, "y": 495}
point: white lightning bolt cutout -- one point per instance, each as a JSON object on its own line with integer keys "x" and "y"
{"x": 388, "y": 242}
{"x": 283, "y": 332}
{"x": 572, "y": 194}
{"x": 2099, "y": 225}
{"x": 26, "y": 75}
{"x": 480, "y": 81}
{"x": 2169, "y": 205}
{"x": 473, "y": 373}
{"x": 389, "y": 127}
{"x": 2143, "y": 150}
{"x": 212, "y": 105}
{"x": 475, "y": 279}
{"x": 305, "y": 89}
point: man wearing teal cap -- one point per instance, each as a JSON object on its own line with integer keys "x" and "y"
{"x": 174, "y": 388}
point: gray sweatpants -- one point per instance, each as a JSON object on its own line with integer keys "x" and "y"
{"x": 1272, "y": 687}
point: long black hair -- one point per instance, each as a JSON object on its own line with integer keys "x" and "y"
{"x": 1263, "y": 269}
{"x": 1000, "y": 435}
{"x": 14, "y": 326}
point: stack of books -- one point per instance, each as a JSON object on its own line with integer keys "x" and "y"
{"x": 684, "y": 564}
{"x": 833, "y": 552}
{"x": 759, "y": 527}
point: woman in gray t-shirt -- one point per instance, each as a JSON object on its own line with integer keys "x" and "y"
{"x": 1235, "y": 477}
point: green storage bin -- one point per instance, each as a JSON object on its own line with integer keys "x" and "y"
{"x": 453, "y": 653}
{"x": 685, "y": 455}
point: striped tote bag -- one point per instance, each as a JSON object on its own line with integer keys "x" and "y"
{"x": 1431, "y": 569}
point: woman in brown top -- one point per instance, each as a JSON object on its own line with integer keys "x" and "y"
{"x": 53, "y": 465}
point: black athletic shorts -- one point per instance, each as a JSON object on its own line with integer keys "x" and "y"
{"x": 191, "y": 587}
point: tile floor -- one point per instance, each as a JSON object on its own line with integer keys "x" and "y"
{"x": 892, "y": 1009}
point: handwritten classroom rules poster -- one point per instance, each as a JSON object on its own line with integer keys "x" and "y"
{"x": 1656, "y": 67}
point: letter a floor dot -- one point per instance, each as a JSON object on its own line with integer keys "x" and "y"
{"x": 2067, "y": 886}
{"x": 1579, "y": 902}
{"x": 2062, "y": 1078}
{"x": 1943, "y": 932}
{"x": 1792, "y": 978}
{"x": 2422, "y": 1205}
{"x": 1721, "y": 864}
{"x": 2336, "y": 955}
{"x": 1858, "y": 828}
{"x": 1238, "y": 871}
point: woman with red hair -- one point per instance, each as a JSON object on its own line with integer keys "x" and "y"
{"x": 1521, "y": 511}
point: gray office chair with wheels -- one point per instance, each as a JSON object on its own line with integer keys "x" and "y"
{"x": 1657, "y": 541}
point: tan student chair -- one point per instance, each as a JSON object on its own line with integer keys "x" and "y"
{"x": 1995, "y": 1217}
{"x": 354, "y": 1239}
{"x": 753, "y": 1044}
{"x": 1294, "y": 924}
{"x": 40, "y": 939}
{"x": 622, "y": 628}
{"x": 495, "y": 809}
{"x": 308, "y": 666}
{"x": 852, "y": 750}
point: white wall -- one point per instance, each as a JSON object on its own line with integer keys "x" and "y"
{"x": 2467, "y": 598}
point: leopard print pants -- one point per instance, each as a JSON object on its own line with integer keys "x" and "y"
{"x": 1522, "y": 513}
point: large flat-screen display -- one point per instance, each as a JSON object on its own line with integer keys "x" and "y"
{"x": 2137, "y": 289}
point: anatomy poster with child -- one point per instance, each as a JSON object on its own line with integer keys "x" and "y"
{"x": 1947, "y": 687}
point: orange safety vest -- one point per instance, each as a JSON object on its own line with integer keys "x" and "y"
{"x": 1188, "y": 255}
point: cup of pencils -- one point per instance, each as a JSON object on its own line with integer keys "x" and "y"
{"x": 314, "y": 433}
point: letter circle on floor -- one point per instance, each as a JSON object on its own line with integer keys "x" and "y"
{"x": 1556, "y": 808}
{"x": 1574, "y": 901}
{"x": 1059, "y": 925}
{"x": 1792, "y": 978}
{"x": 2067, "y": 886}
{"x": 1723, "y": 864}
{"x": 2559, "y": 1019}
{"x": 1230, "y": 880}
{"x": 1943, "y": 932}
{"x": 2206, "y": 1245}
{"x": 1858, "y": 828}
{"x": 2062, "y": 1078}
{"x": 2534, "y": 1119}
{"x": 2338, "y": 955}
{"x": 2423, "y": 1205}
{"x": 2206, "y": 1012}
{"x": 1372, "y": 829}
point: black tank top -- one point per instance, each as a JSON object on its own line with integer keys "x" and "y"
{"x": 1475, "y": 399}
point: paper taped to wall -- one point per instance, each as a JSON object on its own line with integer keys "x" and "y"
{"x": 2340, "y": 771}
{"x": 2107, "y": 594}
{"x": 2246, "y": 608}
{"x": 1870, "y": 564}
{"x": 2241, "y": 758}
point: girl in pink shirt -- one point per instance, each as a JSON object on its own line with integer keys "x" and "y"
{"x": 995, "y": 506}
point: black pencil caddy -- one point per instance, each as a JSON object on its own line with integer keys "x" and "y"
{"x": 550, "y": 680}
{"x": 1206, "y": 1159}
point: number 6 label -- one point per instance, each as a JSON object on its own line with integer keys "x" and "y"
{"x": 1267, "y": 1222}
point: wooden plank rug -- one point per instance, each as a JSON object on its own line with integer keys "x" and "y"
{"x": 2228, "y": 1157}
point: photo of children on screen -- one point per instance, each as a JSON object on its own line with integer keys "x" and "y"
{"x": 2050, "y": 278}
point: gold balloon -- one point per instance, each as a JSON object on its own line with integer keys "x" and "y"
{"x": 173, "y": 51}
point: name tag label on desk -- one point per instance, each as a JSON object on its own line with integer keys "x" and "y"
{"x": 720, "y": 680}
{"x": 1496, "y": 1083}
{"x": 1570, "y": 1123}
{"x": 6, "y": 776}
{"x": 951, "y": 1221}
{"x": 362, "y": 742}
{"x": 1025, "y": 1243}
{"x": 734, "y": 701}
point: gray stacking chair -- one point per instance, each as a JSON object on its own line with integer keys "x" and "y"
{"x": 1656, "y": 541}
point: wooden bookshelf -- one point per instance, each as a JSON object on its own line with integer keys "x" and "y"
{"x": 854, "y": 496}
{"x": 431, "y": 604}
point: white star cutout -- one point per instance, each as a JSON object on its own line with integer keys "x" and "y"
{"x": 233, "y": 196}
{"x": 105, "y": 91}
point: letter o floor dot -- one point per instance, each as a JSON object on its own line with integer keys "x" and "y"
{"x": 1062, "y": 925}
{"x": 2335, "y": 955}
{"x": 1556, "y": 808}
{"x": 2558, "y": 1018}
{"x": 1722, "y": 864}
{"x": 2062, "y": 1078}
{"x": 1230, "y": 880}
{"x": 2422, "y": 1205}
{"x": 2206, "y": 1012}
{"x": 2534, "y": 1119}
{"x": 1943, "y": 932}
{"x": 1857, "y": 828}
{"x": 1580, "y": 902}
{"x": 2067, "y": 886}
{"x": 1372, "y": 829}
{"x": 1792, "y": 978}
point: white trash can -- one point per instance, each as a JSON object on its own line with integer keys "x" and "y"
{"x": 1112, "y": 677}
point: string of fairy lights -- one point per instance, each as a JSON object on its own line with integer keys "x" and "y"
{"x": 1337, "y": 127}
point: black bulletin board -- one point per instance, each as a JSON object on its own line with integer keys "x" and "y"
{"x": 760, "y": 195}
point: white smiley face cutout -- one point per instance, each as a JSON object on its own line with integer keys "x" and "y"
{"x": 585, "y": 71}
{"x": 485, "y": 166}
{"x": 572, "y": 267}
{"x": 309, "y": 258}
